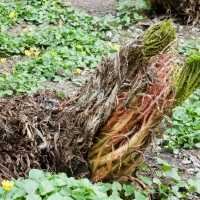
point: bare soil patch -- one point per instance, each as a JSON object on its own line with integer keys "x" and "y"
{"x": 94, "y": 7}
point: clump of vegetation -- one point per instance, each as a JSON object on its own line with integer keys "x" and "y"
{"x": 128, "y": 12}
{"x": 57, "y": 40}
{"x": 185, "y": 130}
{"x": 49, "y": 53}
{"x": 166, "y": 183}
{"x": 44, "y": 185}
{"x": 186, "y": 46}
{"x": 52, "y": 54}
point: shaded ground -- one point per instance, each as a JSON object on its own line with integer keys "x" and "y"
{"x": 187, "y": 161}
{"x": 95, "y": 7}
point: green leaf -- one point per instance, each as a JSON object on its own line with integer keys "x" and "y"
{"x": 144, "y": 166}
{"x": 129, "y": 190}
{"x": 166, "y": 168}
{"x": 171, "y": 172}
{"x": 139, "y": 195}
{"x": 36, "y": 174}
{"x": 140, "y": 4}
{"x": 175, "y": 190}
{"x": 60, "y": 182}
{"x": 176, "y": 151}
{"x": 116, "y": 186}
{"x": 56, "y": 196}
{"x": 138, "y": 16}
{"x": 65, "y": 191}
{"x": 46, "y": 187}
{"x": 145, "y": 179}
{"x": 172, "y": 198}
{"x": 195, "y": 183}
{"x": 157, "y": 181}
{"x": 9, "y": 92}
{"x": 33, "y": 197}
{"x": 197, "y": 145}
{"x": 30, "y": 186}
{"x": 160, "y": 161}
{"x": 18, "y": 194}
{"x": 198, "y": 175}
{"x": 67, "y": 198}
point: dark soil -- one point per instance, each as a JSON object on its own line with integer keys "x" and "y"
{"x": 187, "y": 162}
{"x": 95, "y": 7}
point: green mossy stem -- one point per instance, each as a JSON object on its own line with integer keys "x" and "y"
{"x": 189, "y": 78}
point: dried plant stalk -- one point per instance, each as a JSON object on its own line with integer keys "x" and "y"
{"x": 41, "y": 132}
{"x": 129, "y": 129}
{"x": 188, "y": 8}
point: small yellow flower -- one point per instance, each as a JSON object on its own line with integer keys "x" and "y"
{"x": 59, "y": 7}
{"x": 13, "y": 68}
{"x": 28, "y": 34}
{"x": 27, "y": 53}
{"x": 12, "y": 15}
{"x": 7, "y": 73}
{"x": 116, "y": 47}
{"x": 78, "y": 46}
{"x": 32, "y": 49}
{"x": 78, "y": 70}
{"x": 83, "y": 52}
{"x": 3, "y": 60}
{"x": 53, "y": 53}
{"x": 37, "y": 53}
{"x": 60, "y": 22}
{"x": 69, "y": 3}
{"x": 53, "y": 3}
{"x": 110, "y": 44}
{"x": 26, "y": 30}
{"x": 7, "y": 185}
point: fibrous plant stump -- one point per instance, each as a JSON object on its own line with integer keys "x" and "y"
{"x": 190, "y": 9}
{"x": 123, "y": 139}
{"x": 112, "y": 117}
{"x": 58, "y": 138}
